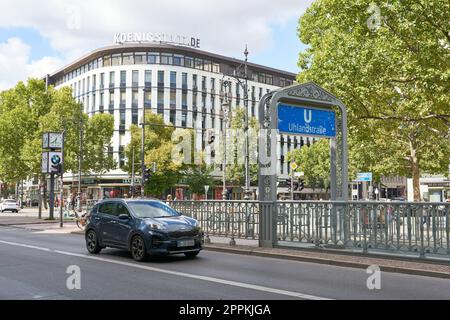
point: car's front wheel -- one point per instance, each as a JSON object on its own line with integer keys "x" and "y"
{"x": 191, "y": 254}
{"x": 138, "y": 250}
{"x": 92, "y": 244}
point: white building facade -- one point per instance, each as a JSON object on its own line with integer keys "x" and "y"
{"x": 183, "y": 84}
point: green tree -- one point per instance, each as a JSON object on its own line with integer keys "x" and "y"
{"x": 158, "y": 149}
{"x": 391, "y": 68}
{"x": 314, "y": 161}
{"x": 196, "y": 176}
{"x": 235, "y": 171}
{"x": 28, "y": 110}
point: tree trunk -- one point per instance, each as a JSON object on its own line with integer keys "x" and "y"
{"x": 415, "y": 173}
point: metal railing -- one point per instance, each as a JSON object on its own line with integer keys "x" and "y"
{"x": 399, "y": 227}
{"x": 231, "y": 219}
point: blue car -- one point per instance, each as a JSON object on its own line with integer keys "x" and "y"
{"x": 143, "y": 227}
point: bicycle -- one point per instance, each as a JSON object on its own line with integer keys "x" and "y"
{"x": 82, "y": 220}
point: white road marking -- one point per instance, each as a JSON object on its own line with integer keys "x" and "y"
{"x": 176, "y": 273}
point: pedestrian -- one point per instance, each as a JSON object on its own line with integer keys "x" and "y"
{"x": 169, "y": 199}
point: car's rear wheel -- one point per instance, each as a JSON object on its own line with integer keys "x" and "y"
{"x": 92, "y": 244}
{"x": 191, "y": 254}
{"x": 138, "y": 250}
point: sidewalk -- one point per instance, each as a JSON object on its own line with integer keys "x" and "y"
{"x": 250, "y": 247}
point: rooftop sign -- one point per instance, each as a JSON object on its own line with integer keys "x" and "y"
{"x": 123, "y": 37}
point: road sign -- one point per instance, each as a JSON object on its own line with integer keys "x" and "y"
{"x": 54, "y": 159}
{"x": 306, "y": 121}
{"x": 294, "y": 166}
{"x": 364, "y": 176}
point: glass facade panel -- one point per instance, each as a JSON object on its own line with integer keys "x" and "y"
{"x": 127, "y": 58}
{"x": 116, "y": 59}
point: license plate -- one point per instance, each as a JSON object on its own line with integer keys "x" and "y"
{"x": 186, "y": 243}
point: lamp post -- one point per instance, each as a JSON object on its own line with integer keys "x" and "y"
{"x": 80, "y": 160}
{"x": 225, "y": 113}
{"x": 244, "y": 86}
{"x": 247, "y": 169}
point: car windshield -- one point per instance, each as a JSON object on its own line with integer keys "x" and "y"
{"x": 152, "y": 209}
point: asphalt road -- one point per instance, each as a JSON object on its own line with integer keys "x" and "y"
{"x": 33, "y": 266}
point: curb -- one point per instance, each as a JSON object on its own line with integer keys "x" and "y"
{"x": 385, "y": 268}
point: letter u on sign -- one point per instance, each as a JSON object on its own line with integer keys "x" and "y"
{"x": 307, "y": 114}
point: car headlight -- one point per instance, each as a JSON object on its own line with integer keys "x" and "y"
{"x": 157, "y": 226}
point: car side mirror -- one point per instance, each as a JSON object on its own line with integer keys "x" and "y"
{"x": 124, "y": 216}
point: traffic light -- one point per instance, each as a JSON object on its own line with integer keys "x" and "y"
{"x": 147, "y": 174}
{"x": 288, "y": 184}
{"x": 210, "y": 136}
{"x": 296, "y": 184}
{"x": 301, "y": 185}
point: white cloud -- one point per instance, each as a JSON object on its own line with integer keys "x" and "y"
{"x": 74, "y": 27}
{"x": 15, "y": 64}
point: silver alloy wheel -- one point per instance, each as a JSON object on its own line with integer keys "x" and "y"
{"x": 137, "y": 247}
{"x": 91, "y": 240}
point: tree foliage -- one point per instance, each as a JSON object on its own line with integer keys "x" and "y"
{"x": 391, "y": 68}
{"x": 28, "y": 110}
{"x": 314, "y": 161}
{"x": 158, "y": 148}
{"x": 235, "y": 171}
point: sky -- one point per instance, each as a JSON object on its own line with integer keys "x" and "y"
{"x": 39, "y": 37}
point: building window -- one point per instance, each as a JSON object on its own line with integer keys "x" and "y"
{"x": 207, "y": 65}
{"x": 116, "y": 59}
{"x": 121, "y": 157}
{"x": 204, "y": 84}
{"x": 160, "y": 98}
{"x": 93, "y": 102}
{"x": 153, "y": 58}
{"x": 135, "y": 78}
{"x": 199, "y": 63}
{"x": 213, "y": 85}
{"x": 178, "y": 60}
{"x": 122, "y": 99}
{"x": 134, "y": 98}
{"x": 188, "y": 62}
{"x": 194, "y": 83}
{"x": 127, "y": 58}
{"x": 160, "y": 79}
{"x": 107, "y": 61}
{"x": 123, "y": 78}
{"x": 111, "y": 79}
{"x": 139, "y": 58}
{"x": 102, "y": 80}
{"x": 111, "y": 102}
{"x": 173, "y": 80}
{"x": 184, "y": 82}
{"x": 102, "y": 95}
{"x": 166, "y": 58}
{"x": 148, "y": 78}
{"x": 94, "y": 82}
{"x": 147, "y": 99}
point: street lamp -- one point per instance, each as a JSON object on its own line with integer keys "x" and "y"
{"x": 244, "y": 85}
{"x": 226, "y": 107}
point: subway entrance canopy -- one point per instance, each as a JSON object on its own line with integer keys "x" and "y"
{"x": 300, "y": 109}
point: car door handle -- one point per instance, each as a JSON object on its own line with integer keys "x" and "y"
{"x": 97, "y": 218}
{"x": 113, "y": 221}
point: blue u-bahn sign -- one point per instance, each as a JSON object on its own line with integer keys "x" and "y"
{"x": 306, "y": 121}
